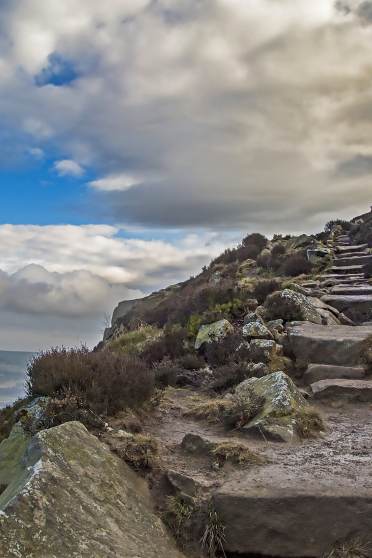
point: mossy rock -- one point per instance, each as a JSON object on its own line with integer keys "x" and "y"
{"x": 213, "y": 332}
{"x": 282, "y": 402}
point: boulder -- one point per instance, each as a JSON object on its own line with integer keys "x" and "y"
{"x": 68, "y": 495}
{"x": 291, "y": 306}
{"x": 213, "y": 332}
{"x": 280, "y": 400}
{"x": 256, "y": 330}
{"x": 356, "y": 307}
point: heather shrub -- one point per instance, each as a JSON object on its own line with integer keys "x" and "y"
{"x": 296, "y": 264}
{"x": 105, "y": 381}
{"x": 224, "y": 351}
{"x": 264, "y": 288}
{"x": 345, "y": 225}
{"x": 228, "y": 376}
{"x": 255, "y": 239}
{"x": 171, "y": 345}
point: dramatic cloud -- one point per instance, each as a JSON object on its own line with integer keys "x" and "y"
{"x": 243, "y": 111}
{"x": 76, "y": 275}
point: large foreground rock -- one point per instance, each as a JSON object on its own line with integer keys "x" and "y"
{"x": 69, "y": 496}
{"x": 317, "y": 344}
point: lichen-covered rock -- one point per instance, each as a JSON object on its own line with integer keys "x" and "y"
{"x": 256, "y": 330}
{"x": 291, "y": 306}
{"x": 68, "y": 495}
{"x": 262, "y": 350}
{"x": 213, "y": 332}
{"x": 252, "y": 317}
{"x": 281, "y": 403}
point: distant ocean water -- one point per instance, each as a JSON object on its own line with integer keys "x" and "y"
{"x": 13, "y": 366}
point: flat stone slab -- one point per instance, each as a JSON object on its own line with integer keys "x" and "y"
{"x": 355, "y": 248}
{"x": 350, "y": 390}
{"x": 308, "y": 497}
{"x": 318, "y": 344}
{"x": 356, "y": 307}
{"x": 347, "y": 269}
{"x": 352, "y": 260}
{"x": 317, "y": 372}
{"x": 352, "y": 290}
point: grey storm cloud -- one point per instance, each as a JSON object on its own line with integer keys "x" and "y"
{"x": 231, "y": 111}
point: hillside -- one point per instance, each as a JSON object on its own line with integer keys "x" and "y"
{"x": 242, "y": 397}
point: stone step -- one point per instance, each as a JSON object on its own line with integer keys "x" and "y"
{"x": 319, "y": 344}
{"x": 357, "y": 307}
{"x": 302, "y": 502}
{"x": 345, "y": 283}
{"x": 347, "y": 269}
{"x": 353, "y": 260}
{"x": 349, "y": 390}
{"x": 352, "y": 289}
{"x": 351, "y": 248}
{"x": 339, "y": 255}
{"x": 317, "y": 372}
{"x": 340, "y": 276}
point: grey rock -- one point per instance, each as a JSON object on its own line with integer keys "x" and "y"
{"x": 71, "y": 496}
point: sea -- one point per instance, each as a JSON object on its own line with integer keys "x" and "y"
{"x": 13, "y": 365}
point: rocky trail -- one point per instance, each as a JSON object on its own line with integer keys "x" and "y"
{"x": 305, "y": 496}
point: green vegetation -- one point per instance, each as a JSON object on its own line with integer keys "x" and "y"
{"x": 213, "y": 539}
{"x": 133, "y": 342}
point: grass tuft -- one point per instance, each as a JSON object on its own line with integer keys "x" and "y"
{"x": 309, "y": 423}
{"x": 236, "y": 453}
{"x": 353, "y": 547}
{"x": 213, "y": 539}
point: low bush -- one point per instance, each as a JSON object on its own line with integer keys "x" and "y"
{"x": 296, "y": 264}
{"x": 171, "y": 345}
{"x": 255, "y": 239}
{"x": 264, "y": 288}
{"x": 105, "y": 381}
{"x": 228, "y": 376}
{"x": 345, "y": 226}
{"x": 227, "y": 350}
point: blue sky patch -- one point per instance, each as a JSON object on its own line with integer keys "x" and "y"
{"x": 59, "y": 72}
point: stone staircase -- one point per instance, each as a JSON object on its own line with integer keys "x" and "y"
{"x": 333, "y": 352}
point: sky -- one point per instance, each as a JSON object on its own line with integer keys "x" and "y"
{"x": 139, "y": 138}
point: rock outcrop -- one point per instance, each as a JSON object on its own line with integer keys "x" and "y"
{"x": 65, "y": 494}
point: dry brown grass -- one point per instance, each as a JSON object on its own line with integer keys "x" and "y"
{"x": 309, "y": 423}
{"x": 354, "y": 547}
{"x": 139, "y": 451}
{"x": 236, "y": 453}
{"x": 212, "y": 409}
